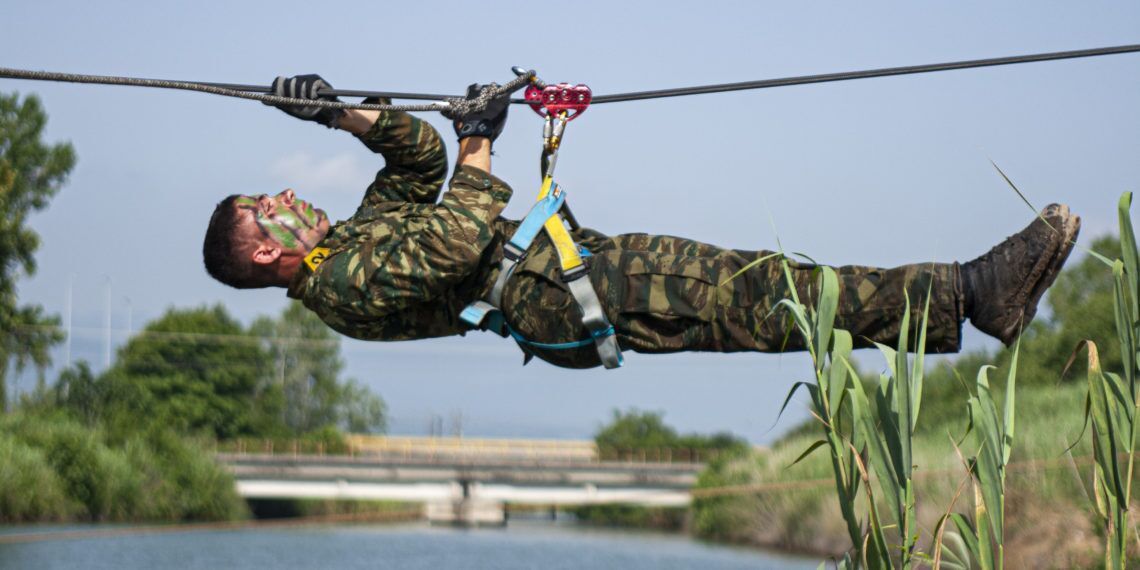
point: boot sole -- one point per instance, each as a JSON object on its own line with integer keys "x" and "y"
{"x": 1067, "y": 235}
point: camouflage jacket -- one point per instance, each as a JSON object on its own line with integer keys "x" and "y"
{"x": 403, "y": 266}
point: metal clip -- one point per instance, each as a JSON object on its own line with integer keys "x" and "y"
{"x": 547, "y": 132}
{"x": 556, "y": 135}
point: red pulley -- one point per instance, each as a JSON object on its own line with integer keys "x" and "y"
{"x": 553, "y": 100}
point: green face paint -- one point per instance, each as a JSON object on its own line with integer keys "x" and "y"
{"x": 288, "y": 225}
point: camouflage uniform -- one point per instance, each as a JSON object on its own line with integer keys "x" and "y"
{"x": 403, "y": 267}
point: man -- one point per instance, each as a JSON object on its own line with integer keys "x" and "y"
{"x": 403, "y": 266}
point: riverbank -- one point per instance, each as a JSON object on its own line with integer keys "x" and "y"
{"x": 764, "y": 500}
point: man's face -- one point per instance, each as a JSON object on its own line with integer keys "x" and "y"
{"x": 284, "y": 220}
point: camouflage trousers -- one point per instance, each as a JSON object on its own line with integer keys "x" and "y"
{"x": 668, "y": 294}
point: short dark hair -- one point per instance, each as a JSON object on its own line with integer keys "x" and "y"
{"x": 222, "y": 248}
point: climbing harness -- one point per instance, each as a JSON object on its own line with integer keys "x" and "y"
{"x": 259, "y": 92}
{"x": 558, "y": 105}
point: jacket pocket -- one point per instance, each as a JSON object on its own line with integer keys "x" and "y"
{"x": 662, "y": 284}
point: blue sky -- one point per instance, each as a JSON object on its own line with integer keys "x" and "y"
{"x": 882, "y": 171}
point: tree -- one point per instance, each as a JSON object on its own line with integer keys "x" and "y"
{"x": 307, "y": 367}
{"x": 78, "y": 391}
{"x": 635, "y": 429}
{"x": 200, "y": 371}
{"x": 31, "y": 172}
{"x": 197, "y": 370}
{"x": 360, "y": 410}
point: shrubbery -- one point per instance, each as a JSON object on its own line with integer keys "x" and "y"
{"x": 54, "y": 467}
{"x": 636, "y": 430}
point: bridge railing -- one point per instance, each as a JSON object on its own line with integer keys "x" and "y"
{"x": 441, "y": 448}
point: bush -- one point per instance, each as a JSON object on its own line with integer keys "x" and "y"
{"x": 77, "y": 473}
{"x": 30, "y": 490}
{"x": 663, "y": 518}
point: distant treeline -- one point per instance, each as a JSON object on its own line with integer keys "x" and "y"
{"x": 136, "y": 442}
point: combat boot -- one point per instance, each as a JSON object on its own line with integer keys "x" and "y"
{"x": 1001, "y": 288}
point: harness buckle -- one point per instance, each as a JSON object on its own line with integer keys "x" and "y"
{"x": 513, "y": 253}
{"x": 575, "y": 273}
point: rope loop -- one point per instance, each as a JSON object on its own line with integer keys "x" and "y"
{"x": 458, "y": 107}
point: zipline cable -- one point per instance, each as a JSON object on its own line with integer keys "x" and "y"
{"x": 849, "y": 75}
{"x": 767, "y": 83}
{"x": 455, "y": 106}
{"x": 451, "y": 106}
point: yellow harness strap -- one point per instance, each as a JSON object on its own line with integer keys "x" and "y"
{"x": 568, "y": 254}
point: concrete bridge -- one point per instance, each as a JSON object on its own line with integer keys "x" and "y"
{"x": 466, "y": 481}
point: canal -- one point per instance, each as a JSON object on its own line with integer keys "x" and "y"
{"x": 522, "y": 544}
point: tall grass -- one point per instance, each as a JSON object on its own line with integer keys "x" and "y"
{"x": 879, "y": 439}
{"x": 1113, "y": 401}
{"x": 871, "y": 438}
{"x": 830, "y": 350}
{"x": 982, "y": 539}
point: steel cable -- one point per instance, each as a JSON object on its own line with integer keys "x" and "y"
{"x": 849, "y": 75}
{"x": 455, "y": 106}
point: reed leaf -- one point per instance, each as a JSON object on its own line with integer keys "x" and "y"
{"x": 957, "y": 556}
{"x": 800, "y": 318}
{"x": 840, "y": 370}
{"x": 878, "y": 449}
{"x": 1008, "y": 416}
{"x": 750, "y": 265}
{"x": 918, "y": 373}
{"x": 1104, "y": 433}
{"x": 812, "y": 390}
{"x": 814, "y": 446}
{"x": 1125, "y": 321}
{"x": 1017, "y": 190}
{"x": 1128, "y": 251}
{"x": 825, "y": 313}
{"x": 969, "y": 536}
{"x": 903, "y": 406}
{"x": 987, "y": 466}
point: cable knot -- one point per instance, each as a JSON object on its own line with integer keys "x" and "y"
{"x": 458, "y": 108}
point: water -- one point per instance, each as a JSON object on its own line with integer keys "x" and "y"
{"x": 522, "y": 544}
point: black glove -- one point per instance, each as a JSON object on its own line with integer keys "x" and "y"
{"x": 306, "y": 87}
{"x": 486, "y": 123}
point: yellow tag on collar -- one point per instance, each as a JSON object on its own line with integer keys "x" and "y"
{"x": 316, "y": 257}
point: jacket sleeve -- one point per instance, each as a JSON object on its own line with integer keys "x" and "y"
{"x": 435, "y": 249}
{"x": 414, "y": 156}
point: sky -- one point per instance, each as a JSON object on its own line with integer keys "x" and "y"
{"x": 876, "y": 172}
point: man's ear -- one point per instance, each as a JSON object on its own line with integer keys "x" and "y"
{"x": 265, "y": 254}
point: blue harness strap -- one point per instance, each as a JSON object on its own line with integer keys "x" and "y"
{"x": 541, "y": 211}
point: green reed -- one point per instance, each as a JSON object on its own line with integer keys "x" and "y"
{"x": 864, "y": 440}
{"x": 1113, "y": 400}
{"x": 982, "y": 539}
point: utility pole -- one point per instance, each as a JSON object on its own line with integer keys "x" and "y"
{"x": 107, "y": 324}
{"x": 70, "y": 290}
